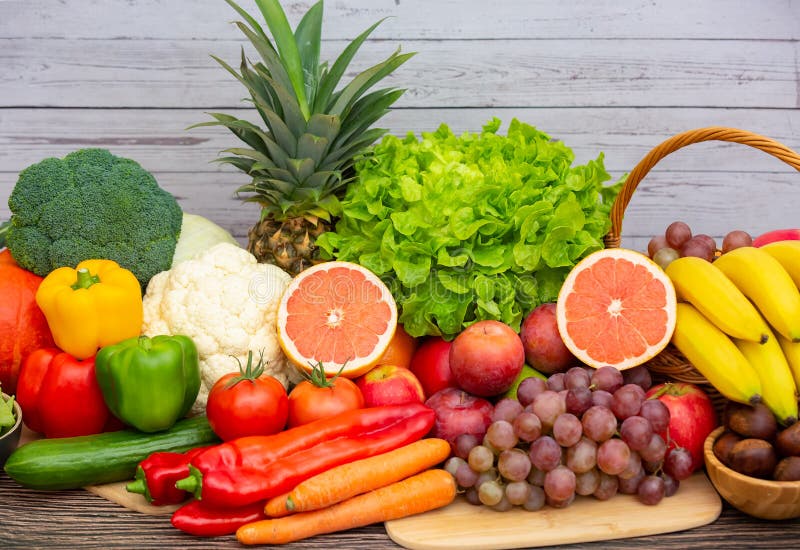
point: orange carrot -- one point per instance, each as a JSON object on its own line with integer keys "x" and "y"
{"x": 360, "y": 476}
{"x": 426, "y": 491}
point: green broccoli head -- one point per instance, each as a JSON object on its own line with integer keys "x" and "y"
{"x": 92, "y": 204}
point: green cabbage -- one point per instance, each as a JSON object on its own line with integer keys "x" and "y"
{"x": 479, "y": 226}
{"x": 198, "y": 234}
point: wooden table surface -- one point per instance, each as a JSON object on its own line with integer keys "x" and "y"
{"x": 72, "y": 519}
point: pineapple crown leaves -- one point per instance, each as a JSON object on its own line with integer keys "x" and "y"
{"x": 313, "y": 131}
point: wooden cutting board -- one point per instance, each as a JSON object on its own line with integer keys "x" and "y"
{"x": 462, "y": 526}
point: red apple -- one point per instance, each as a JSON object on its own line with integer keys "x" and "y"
{"x": 390, "y": 385}
{"x": 431, "y": 365}
{"x": 544, "y": 349}
{"x": 692, "y": 417}
{"x": 458, "y": 412}
{"x": 777, "y": 235}
{"x": 486, "y": 358}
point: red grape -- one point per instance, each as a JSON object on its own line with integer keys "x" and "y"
{"x": 514, "y": 464}
{"x": 613, "y": 456}
{"x": 657, "y": 413}
{"x": 677, "y": 234}
{"x": 599, "y": 423}
{"x": 556, "y": 382}
{"x": 607, "y": 379}
{"x": 651, "y": 490}
{"x": 656, "y": 243}
{"x": 697, "y": 246}
{"x": 736, "y": 239}
{"x": 678, "y": 463}
{"x": 608, "y": 487}
{"x": 582, "y": 456}
{"x": 545, "y": 453}
{"x": 559, "y": 483}
{"x": 636, "y": 431}
{"x": 567, "y": 429}
{"x": 529, "y": 388}
{"x": 527, "y": 426}
{"x": 506, "y": 409}
{"x": 638, "y": 375}
{"x": 627, "y": 401}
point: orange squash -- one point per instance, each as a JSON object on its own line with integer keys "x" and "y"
{"x": 23, "y": 328}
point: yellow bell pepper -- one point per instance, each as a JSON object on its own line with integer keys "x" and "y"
{"x": 96, "y": 304}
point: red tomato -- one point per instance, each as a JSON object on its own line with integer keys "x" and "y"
{"x": 247, "y": 403}
{"x": 319, "y": 397}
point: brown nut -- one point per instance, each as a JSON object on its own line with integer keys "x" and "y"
{"x": 788, "y": 441}
{"x": 724, "y": 445}
{"x": 757, "y": 421}
{"x": 753, "y": 457}
{"x": 788, "y": 469}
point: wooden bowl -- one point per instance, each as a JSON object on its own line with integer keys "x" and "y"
{"x": 759, "y": 498}
{"x": 10, "y": 439}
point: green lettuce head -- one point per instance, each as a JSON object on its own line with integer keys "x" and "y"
{"x": 479, "y": 226}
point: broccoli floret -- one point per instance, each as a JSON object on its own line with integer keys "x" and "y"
{"x": 92, "y": 204}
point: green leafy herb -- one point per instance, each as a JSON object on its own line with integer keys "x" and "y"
{"x": 7, "y": 418}
{"x": 471, "y": 227}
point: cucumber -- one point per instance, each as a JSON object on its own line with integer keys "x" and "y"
{"x": 73, "y": 462}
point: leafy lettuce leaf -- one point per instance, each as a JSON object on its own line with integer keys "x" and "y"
{"x": 471, "y": 227}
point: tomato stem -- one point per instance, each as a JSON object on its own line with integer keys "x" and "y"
{"x": 249, "y": 373}
{"x": 318, "y": 377}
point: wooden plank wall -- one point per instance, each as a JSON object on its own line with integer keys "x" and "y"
{"x": 617, "y": 76}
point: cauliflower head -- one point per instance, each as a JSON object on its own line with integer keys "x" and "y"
{"x": 227, "y": 303}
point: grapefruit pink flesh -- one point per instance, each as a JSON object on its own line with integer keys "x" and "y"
{"x": 339, "y": 314}
{"x": 616, "y": 308}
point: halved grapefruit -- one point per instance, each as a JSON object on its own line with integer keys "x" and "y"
{"x": 338, "y": 314}
{"x": 616, "y": 307}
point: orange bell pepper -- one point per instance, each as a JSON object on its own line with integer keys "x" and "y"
{"x": 96, "y": 304}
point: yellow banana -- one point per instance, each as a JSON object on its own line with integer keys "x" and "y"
{"x": 791, "y": 350}
{"x": 761, "y": 278}
{"x": 715, "y": 355}
{"x": 703, "y": 285}
{"x": 788, "y": 255}
{"x": 778, "y": 389}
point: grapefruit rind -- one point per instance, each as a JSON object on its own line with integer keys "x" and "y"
{"x": 643, "y": 341}
{"x": 310, "y": 289}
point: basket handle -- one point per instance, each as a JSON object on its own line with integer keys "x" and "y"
{"x": 713, "y": 133}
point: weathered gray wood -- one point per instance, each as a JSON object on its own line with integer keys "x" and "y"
{"x": 710, "y": 202}
{"x": 602, "y": 19}
{"x": 157, "y": 137}
{"x": 452, "y": 73}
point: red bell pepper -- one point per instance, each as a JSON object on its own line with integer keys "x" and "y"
{"x": 229, "y": 487}
{"x": 60, "y": 396}
{"x": 200, "y": 519}
{"x": 260, "y": 450}
{"x": 156, "y": 476}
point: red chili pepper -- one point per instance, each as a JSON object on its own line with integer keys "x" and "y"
{"x": 228, "y": 487}
{"x": 200, "y": 519}
{"x": 60, "y": 396}
{"x": 156, "y": 476}
{"x": 260, "y": 450}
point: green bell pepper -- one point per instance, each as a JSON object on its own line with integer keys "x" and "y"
{"x": 149, "y": 383}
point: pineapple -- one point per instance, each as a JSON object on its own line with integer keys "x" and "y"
{"x": 302, "y": 162}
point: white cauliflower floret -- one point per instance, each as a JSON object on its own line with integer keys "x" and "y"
{"x": 227, "y": 303}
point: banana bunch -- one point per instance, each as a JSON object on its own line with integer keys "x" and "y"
{"x": 738, "y": 323}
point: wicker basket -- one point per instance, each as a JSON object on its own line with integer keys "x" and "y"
{"x": 670, "y": 364}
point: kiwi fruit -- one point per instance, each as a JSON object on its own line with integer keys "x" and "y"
{"x": 753, "y": 457}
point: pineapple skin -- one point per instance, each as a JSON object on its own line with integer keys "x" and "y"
{"x": 290, "y": 244}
